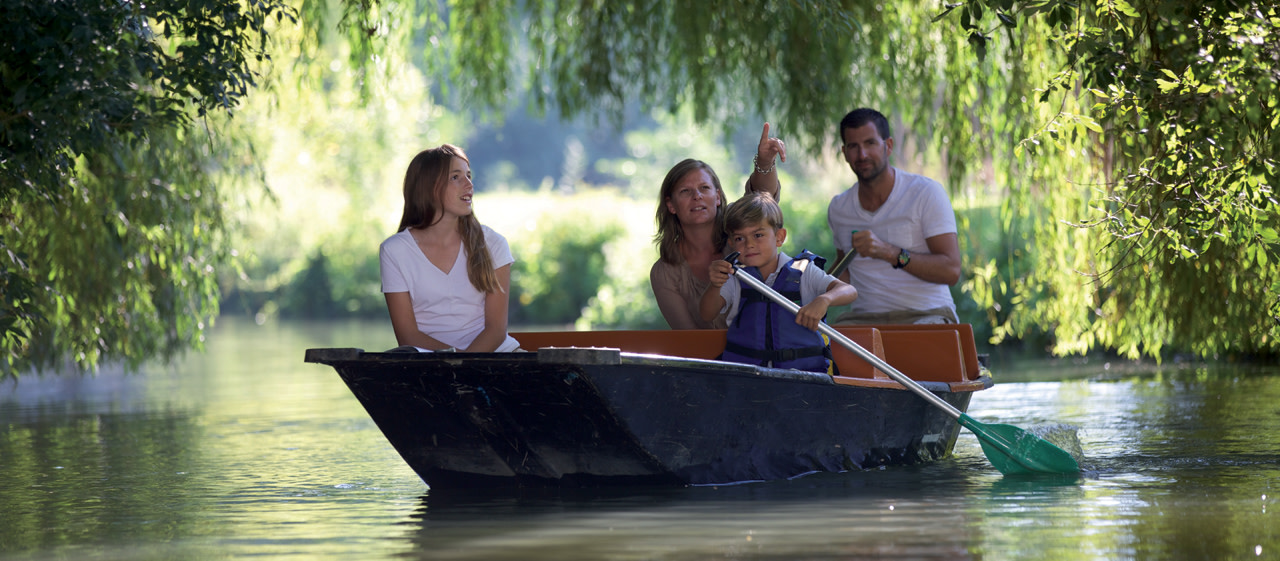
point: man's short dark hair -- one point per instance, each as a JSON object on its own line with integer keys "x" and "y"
{"x": 860, "y": 117}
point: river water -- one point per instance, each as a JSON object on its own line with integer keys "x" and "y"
{"x": 247, "y": 451}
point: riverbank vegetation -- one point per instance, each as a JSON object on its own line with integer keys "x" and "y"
{"x": 1114, "y": 163}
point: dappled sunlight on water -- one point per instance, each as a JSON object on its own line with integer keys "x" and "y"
{"x": 248, "y": 451}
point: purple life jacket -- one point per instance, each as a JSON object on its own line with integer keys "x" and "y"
{"x": 765, "y": 332}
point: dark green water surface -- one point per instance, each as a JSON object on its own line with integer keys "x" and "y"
{"x": 248, "y": 452}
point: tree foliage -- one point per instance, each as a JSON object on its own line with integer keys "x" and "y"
{"x": 1134, "y": 142}
{"x": 111, "y": 224}
{"x": 1174, "y": 105}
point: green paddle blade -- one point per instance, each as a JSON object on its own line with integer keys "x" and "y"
{"x": 1013, "y": 450}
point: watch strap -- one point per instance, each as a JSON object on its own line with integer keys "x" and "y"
{"x": 904, "y": 257}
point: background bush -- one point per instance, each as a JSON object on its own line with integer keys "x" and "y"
{"x": 582, "y": 262}
{"x": 559, "y": 268}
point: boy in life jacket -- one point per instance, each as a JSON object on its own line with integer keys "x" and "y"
{"x": 760, "y": 331}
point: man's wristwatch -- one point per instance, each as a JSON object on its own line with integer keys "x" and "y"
{"x": 904, "y": 257}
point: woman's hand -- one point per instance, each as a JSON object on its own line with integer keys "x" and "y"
{"x": 764, "y": 167}
{"x": 768, "y": 150}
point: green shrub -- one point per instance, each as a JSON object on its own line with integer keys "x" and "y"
{"x": 559, "y": 267}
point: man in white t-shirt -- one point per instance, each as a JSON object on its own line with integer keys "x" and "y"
{"x": 902, "y": 227}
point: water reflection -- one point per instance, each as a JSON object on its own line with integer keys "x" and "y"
{"x": 248, "y": 451}
{"x": 822, "y": 516}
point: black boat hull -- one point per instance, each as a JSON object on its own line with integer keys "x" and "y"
{"x": 603, "y": 417}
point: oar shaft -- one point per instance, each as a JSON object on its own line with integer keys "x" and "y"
{"x": 843, "y": 263}
{"x": 848, "y": 343}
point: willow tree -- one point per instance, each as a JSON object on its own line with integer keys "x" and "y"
{"x": 112, "y": 226}
{"x": 1173, "y": 105}
{"x": 1134, "y": 141}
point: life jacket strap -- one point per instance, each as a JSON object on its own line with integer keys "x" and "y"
{"x": 752, "y": 295}
{"x": 777, "y": 355}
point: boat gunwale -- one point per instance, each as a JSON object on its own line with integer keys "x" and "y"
{"x": 589, "y": 356}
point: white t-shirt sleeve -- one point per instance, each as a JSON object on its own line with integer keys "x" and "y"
{"x": 836, "y": 238}
{"x": 499, "y": 250}
{"x": 391, "y": 261}
{"x": 813, "y": 283}
{"x": 845, "y": 214}
{"x": 937, "y": 215}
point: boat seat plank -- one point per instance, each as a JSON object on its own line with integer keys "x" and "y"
{"x": 851, "y": 365}
{"x": 963, "y": 330}
{"x": 690, "y": 343}
{"x": 697, "y": 343}
{"x": 933, "y": 355}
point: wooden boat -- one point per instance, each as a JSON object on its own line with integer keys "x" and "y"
{"x": 654, "y": 407}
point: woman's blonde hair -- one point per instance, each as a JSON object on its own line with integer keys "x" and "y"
{"x": 424, "y": 185}
{"x": 670, "y": 231}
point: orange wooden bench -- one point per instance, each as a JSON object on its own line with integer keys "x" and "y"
{"x": 933, "y": 353}
{"x": 697, "y": 343}
{"x": 691, "y": 343}
{"x": 901, "y": 347}
{"x": 926, "y": 356}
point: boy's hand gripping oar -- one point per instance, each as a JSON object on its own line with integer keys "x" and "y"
{"x": 1010, "y": 449}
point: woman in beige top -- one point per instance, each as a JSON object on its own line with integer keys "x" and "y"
{"x": 691, "y": 231}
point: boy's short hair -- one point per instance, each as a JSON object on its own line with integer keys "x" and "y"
{"x": 753, "y": 208}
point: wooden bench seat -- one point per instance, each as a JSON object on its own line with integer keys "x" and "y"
{"x": 691, "y": 343}
{"x": 926, "y": 356}
{"x": 904, "y": 347}
{"x": 922, "y": 354}
{"x": 935, "y": 353}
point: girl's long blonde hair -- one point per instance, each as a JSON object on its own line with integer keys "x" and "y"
{"x": 670, "y": 232}
{"x": 424, "y": 184}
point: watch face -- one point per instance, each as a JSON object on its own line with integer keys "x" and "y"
{"x": 903, "y": 257}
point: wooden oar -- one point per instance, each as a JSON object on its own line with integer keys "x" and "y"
{"x": 1010, "y": 449}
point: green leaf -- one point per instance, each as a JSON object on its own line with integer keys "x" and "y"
{"x": 1124, "y": 7}
{"x": 1268, "y": 235}
{"x": 947, "y": 9}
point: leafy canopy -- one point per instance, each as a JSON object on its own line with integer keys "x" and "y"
{"x": 1133, "y": 142}
{"x": 1174, "y": 104}
{"x": 112, "y": 226}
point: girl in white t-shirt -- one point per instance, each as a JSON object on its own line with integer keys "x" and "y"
{"x": 446, "y": 277}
